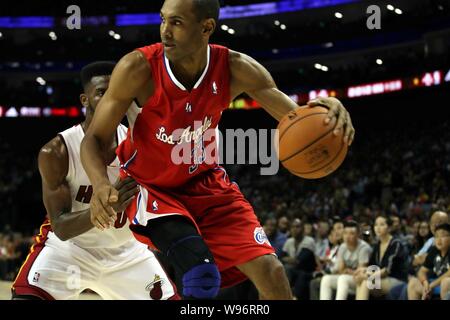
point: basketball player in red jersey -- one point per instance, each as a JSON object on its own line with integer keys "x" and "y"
{"x": 191, "y": 212}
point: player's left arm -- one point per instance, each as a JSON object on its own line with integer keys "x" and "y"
{"x": 249, "y": 76}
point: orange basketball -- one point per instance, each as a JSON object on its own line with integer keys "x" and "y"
{"x": 307, "y": 147}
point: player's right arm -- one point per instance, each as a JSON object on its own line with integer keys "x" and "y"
{"x": 130, "y": 79}
{"x": 53, "y": 162}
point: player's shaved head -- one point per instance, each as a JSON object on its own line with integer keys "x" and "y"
{"x": 206, "y": 9}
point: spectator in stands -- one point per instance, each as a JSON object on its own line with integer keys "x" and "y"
{"x": 397, "y": 229}
{"x": 294, "y": 245}
{"x": 329, "y": 263}
{"x": 284, "y": 226}
{"x": 366, "y": 232}
{"x": 322, "y": 244}
{"x": 439, "y": 217}
{"x": 414, "y": 228}
{"x": 299, "y": 260}
{"x": 308, "y": 229}
{"x": 354, "y": 253}
{"x": 389, "y": 256}
{"x": 9, "y": 257}
{"x": 400, "y": 292}
{"x": 422, "y": 236}
{"x": 276, "y": 238}
{"x": 435, "y": 269}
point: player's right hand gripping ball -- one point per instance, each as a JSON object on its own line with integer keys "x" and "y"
{"x": 306, "y": 146}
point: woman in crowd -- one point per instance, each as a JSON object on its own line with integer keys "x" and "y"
{"x": 387, "y": 266}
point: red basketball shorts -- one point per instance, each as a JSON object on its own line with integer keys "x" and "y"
{"x": 221, "y": 214}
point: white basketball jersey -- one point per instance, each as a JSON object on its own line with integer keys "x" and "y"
{"x": 81, "y": 191}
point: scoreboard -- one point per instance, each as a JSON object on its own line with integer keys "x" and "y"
{"x": 427, "y": 79}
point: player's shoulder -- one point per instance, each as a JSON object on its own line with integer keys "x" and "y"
{"x": 53, "y": 150}
{"x": 241, "y": 64}
{"x": 219, "y": 48}
{"x": 237, "y": 57}
{"x": 151, "y": 51}
{"x": 134, "y": 63}
{"x": 53, "y": 160}
{"x": 56, "y": 150}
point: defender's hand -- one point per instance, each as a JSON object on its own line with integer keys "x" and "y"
{"x": 128, "y": 188}
{"x": 102, "y": 212}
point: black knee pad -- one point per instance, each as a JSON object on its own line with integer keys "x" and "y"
{"x": 194, "y": 262}
{"x": 177, "y": 238}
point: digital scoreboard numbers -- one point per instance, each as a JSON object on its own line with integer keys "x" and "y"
{"x": 429, "y": 79}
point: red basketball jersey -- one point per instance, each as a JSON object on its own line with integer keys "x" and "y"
{"x": 172, "y": 138}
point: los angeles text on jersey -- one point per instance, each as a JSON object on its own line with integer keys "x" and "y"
{"x": 227, "y": 309}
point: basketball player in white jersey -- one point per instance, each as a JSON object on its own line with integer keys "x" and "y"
{"x": 70, "y": 255}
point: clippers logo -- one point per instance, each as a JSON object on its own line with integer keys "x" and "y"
{"x": 155, "y": 288}
{"x": 260, "y": 236}
{"x": 214, "y": 88}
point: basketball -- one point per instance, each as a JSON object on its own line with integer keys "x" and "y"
{"x": 307, "y": 147}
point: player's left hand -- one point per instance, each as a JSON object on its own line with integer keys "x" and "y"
{"x": 336, "y": 110}
{"x": 128, "y": 188}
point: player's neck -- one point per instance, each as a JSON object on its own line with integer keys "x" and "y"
{"x": 85, "y": 124}
{"x": 188, "y": 70}
{"x": 87, "y": 120}
{"x": 443, "y": 252}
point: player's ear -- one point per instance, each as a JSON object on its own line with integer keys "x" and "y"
{"x": 84, "y": 100}
{"x": 209, "y": 26}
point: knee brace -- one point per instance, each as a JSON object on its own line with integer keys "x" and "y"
{"x": 194, "y": 263}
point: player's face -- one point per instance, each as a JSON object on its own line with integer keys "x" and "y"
{"x": 381, "y": 227}
{"x": 181, "y": 31}
{"x": 94, "y": 92}
{"x": 442, "y": 238}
